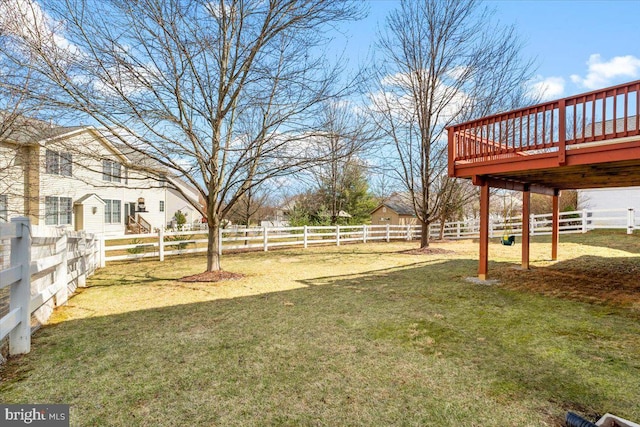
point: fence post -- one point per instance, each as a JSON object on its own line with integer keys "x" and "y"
{"x": 93, "y": 261}
{"x": 161, "y": 243}
{"x": 631, "y": 221}
{"x": 408, "y": 232}
{"x": 387, "y": 236}
{"x": 364, "y": 234}
{"x": 62, "y": 270}
{"x": 584, "y": 220}
{"x": 490, "y": 228}
{"x": 103, "y": 252}
{"x": 84, "y": 259}
{"x": 20, "y": 337}
{"x": 265, "y": 238}
{"x": 337, "y": 235}
{"x": 458, "y": 229}
{"x": 532, "y": 224}
{"x": 305, "y": 237}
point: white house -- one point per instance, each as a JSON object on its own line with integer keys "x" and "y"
{"x": 610, "y": 198}
{"x": 74, "y": 177}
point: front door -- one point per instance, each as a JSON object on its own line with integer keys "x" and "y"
{"x": 129, "y": 210}
{"x": 78, "y": 214}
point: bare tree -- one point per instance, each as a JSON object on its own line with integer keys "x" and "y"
{"x": 345, "y": 137}
{"x": 455, "y": 195}
{"x": 255, "y": 201}
{"x": 544, "y": 204}
{"x": 219, "y": 92}
{"x": 443, "y": 61}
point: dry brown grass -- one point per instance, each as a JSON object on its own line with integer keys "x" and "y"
{"x": 602, "y": 267}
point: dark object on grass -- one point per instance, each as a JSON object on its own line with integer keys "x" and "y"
{"x": 573, "y": 420}
{"x": 508, "y": 240}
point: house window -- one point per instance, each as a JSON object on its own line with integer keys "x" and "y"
{"x": 161, "y": 205}
{"x": 57, "y": 210}
{"x": 111, "y": 171}
{"x": 4, "y": 210}
{"x": 112, "y": 211}
{"x": 58, "y": 163}
{"x": 65, "y": 164}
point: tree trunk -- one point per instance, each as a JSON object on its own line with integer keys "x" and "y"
{"x": 213, "y": 245}
{"x": 443, "y": 218}
{"x": 424, "y": 237}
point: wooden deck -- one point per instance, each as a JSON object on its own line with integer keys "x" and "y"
{"x": 591, "y": 140}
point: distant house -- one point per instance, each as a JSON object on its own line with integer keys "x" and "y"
{"x": 610, "y": 198}
{"x": 394, "y": 212}
{"x": 76, "y": 178}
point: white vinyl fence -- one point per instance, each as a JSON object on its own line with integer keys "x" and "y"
{"x": 263, "y": 238}
{"x": 39, "y": 270}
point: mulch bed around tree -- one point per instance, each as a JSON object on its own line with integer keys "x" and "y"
{"x": 212, "y": 276}
{"x": 428, "y": 251}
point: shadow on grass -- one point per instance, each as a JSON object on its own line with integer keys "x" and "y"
{"x": 526, "y": 347}
{"x": 613, "y": 281}
{"x": 389, "y": 346}
{"x": 251, "y": 360}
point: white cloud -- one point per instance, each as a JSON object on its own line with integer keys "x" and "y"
{"x": 546, "y": 88}
{"x": 122, "y": 79}
{"x": 601, "y": 73}
{"x": 396, "y": 98}
{"x": 458, "y": 72}
{"x": 25, "y": 20}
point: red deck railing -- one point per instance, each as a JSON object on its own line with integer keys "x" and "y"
{"x": 604, "y": 114}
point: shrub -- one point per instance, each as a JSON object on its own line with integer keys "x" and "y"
{"x": 137, "y": 249}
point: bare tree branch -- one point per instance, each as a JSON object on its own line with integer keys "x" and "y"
{"x": 441, "y": 62}
{"x": 221, "y": 93}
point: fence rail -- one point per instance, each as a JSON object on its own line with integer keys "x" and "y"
{"x": 44, "y": 270}
{"x": 264, "y": 238}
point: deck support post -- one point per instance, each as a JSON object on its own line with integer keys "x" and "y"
{"x": 526, "y": 213}
{"x": 555, "y": 228}
{"x": 483, "y": 266}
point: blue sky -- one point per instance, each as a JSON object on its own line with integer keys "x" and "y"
{"x": 578, "y": 46}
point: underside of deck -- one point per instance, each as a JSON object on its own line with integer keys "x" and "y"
{"x": 599, "y": 166}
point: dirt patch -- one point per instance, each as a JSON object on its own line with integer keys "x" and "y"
{"x": 614, "y": 281}
{"x": 428, "y": 251}
{"x": 212, "y": 276}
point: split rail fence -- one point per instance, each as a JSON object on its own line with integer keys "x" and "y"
{"x": 39, "y": 270}
{"x": 135, "y": 246}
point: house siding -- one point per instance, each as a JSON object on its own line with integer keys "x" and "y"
{"x": 610, "y": 198}
{"x": 385, "y": 215}
{"x": 175, "y": 202}
{"x": 11, "y": 176}
{"x": 28, "y": 184}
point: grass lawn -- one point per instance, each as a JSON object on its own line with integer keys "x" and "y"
{"x": 351, "y": 335}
